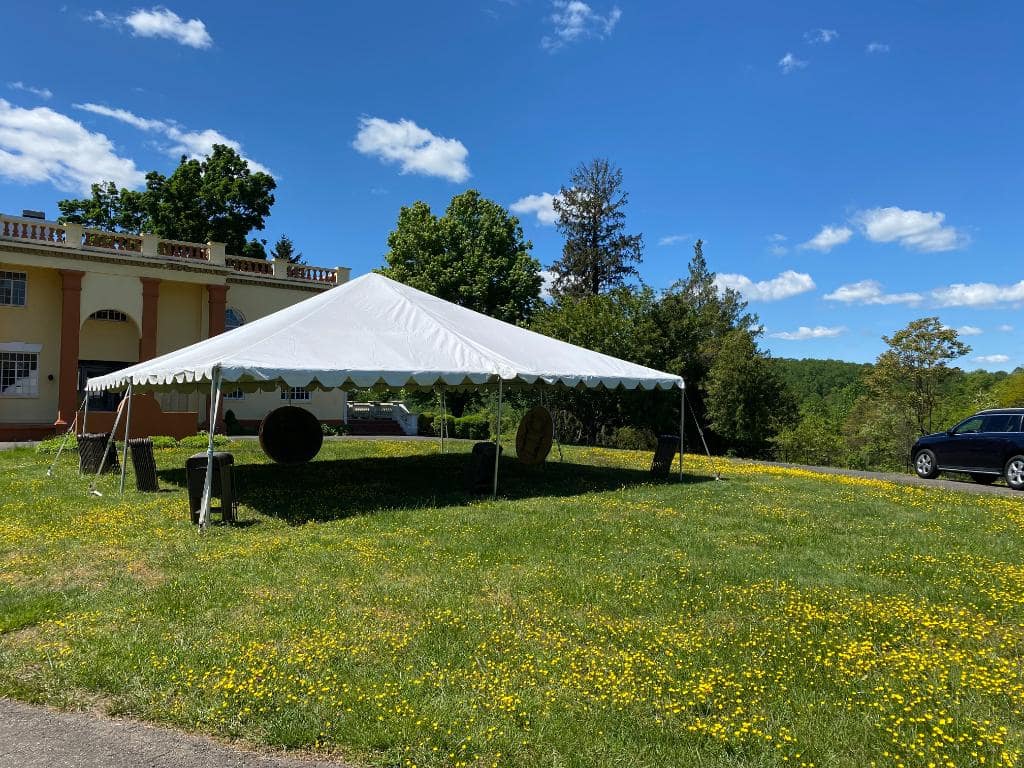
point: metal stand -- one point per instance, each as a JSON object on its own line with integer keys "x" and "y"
{"x": 72, "y": 430}
{"x": 714, "y": 464}
{"x": 106, "y": 450}
{"x": 127, "y": 434}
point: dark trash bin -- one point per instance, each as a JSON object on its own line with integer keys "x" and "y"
{"x": 221, "y": 487}
{"x": 143, "y": 464}
{"x": 668, "y": 445}
{"x": 90, "y": 453}
{"x": 480, "y": 469}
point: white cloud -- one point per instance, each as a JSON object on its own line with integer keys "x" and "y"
{"x": 870, "y": 292}
{"x": 877, "y": 48}
{"x": 969, "y": 330}
{"x": 43, "y": 93}
{"x": 674, "y": 239}
{"x": 783, "y": 286}
{"x": 777, "y": 247}
{"x": 790, "y": 63}
{"x": 1006, "y": 328}
{"x": 828, "y": 238}
{"x": 978, "y": 294}
{"x": 194, "y": 144}
{"x": 416, "y": 149}
{"x": 992, "y": 359}
{"x": 803, "y": 333}
{"x": 41, "y": 145}
{"x": 918, "y": 230}
{"x": 574, "y": 20}
{"x": 548, "y": 277}
{"x": 124, "y": 116}
{"x": 158, "y": 22}
{"x": 821, "y": 36}
{"x": 542, "y": 206}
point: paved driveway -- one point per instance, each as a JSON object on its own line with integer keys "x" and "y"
{"x": 37, "y": 737}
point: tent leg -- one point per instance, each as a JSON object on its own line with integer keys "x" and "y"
{"x": 127, "y": 433}
{"x": 106, "y": 448}
{"x": 204, "y": 510}
{"x": 497, "y": 443}
{"x": 444, "y": 419}
{"x": 85, "y": 414}
{"x": 682, "y": 427}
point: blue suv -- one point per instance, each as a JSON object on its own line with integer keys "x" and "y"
{"x": 987, "y": 446}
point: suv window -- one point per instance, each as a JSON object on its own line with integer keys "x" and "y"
{"x": 1002, "y": 422}
{"x": 970, "y": 426}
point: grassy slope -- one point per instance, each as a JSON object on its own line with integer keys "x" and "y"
{"x": 594, "y": 618}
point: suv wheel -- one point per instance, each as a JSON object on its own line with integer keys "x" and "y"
{"x": 982, "y": 479}
{"x": 1015, "y": 473}
{"x": 927, "y": 467}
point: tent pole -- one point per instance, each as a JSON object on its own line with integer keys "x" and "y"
{"x": 72, "y": 430}
{"x": 106, "y": 448}
{"x": 497, "y": 443}
{"x": 682, "y": 426}
{"x": 204, "y": 510}
{"x": 127, "y": 432}
{"x": 85, "y": 414}
{"x": 444, "y": 418}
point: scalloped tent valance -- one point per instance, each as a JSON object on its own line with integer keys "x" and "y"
{"x": 372, "y": 331}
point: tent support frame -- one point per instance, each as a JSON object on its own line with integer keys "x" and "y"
{"x": 204, "y": 510}
{"x": 106, "y": 450}
{"x": 682, "y": 429}
{"x": 497, "y": 443}
{"x": 127, "y": 432}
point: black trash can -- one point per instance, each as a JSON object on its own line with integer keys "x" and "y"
{"x": 143, "y": 464}
{"x": 220, "y": 488}
{"x": 664, "y": 454}
{"x": 90, "y": 454}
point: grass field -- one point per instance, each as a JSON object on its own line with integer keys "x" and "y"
{"x": 367, "y": 608}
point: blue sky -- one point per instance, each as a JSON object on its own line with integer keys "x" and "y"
{"x": 850, "y": 166}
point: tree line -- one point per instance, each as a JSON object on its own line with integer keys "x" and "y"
{"x": 475, "y": 254}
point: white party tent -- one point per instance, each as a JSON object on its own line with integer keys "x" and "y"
{"x": 373, "y": 331}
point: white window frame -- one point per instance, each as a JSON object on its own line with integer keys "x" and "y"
{"x": 12, "y": 304}
{"x": 110, "y": 315}
{"x": 234, "y": 394}
{"x": 295, "y": 393}
{"x": 21, "y": 348}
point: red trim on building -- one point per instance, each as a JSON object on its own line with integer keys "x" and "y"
{"x": 70, "y": 326}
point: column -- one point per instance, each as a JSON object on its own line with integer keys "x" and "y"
{"x": 218, "y": 297}
{"x": 150, "y": 304}
{"x": 70, "y": 326}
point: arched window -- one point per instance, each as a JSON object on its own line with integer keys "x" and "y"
{"x": 233, "y": 318}
{"x": 109, "y": 314}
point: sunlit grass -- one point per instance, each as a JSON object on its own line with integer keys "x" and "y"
{"x": 370, "y": 608}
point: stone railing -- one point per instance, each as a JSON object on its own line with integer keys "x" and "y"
{"x": 397, "y": 412}
{"x": 17, "y": 228}
{"x": 250, "y": 266}
{"x": 77, "y": 237}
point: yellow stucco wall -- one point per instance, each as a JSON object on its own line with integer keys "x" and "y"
{"x": 110, "y": 290}
{"x": 109, "y": 340}
{"x": 179, "y": 316}
{"x": 257, "y": 301}
{"x": 38, "y": 322}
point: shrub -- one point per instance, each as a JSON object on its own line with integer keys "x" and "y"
{"x": 476, "y": 426}
{"x": 633, "y": 438}
{"x": 201, "y": 440}
{"x": 425, "y": 423}
{"x": 164, "y": 441}
{"x": 52, "y": 445}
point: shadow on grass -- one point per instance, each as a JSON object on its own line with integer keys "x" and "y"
{"x": 339, "y": 488}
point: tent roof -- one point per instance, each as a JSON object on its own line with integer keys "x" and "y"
{"x": 374, "y": 330}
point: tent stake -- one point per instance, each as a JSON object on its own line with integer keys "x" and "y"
{"x": 127, "y": 432}
{"x": 497, "y": 443}
{"x": 204, "y": 510}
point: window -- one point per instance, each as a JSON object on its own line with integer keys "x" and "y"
{"x": 109, "y": 314}
{"x": 12, "y": 288}
{"x": 295, "y": 393}
{"x": 235, "y": 394}
{"x": 233, "y": 318}
{"x": 19, "y": 374}
{"x": 969, "y": 427}
{"x": 1001, "y": 422}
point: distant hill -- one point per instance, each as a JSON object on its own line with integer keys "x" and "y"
{"x": 811, "y": 379}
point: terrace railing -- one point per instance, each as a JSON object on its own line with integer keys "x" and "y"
{"x": 77, "y": 237}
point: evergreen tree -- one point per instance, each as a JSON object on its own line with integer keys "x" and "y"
{"x": 597, "y": 254}
{"x": 284, "y": 250}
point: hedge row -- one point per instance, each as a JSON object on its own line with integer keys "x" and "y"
{"x": 198, "y": 441}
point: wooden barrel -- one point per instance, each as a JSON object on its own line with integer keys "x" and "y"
{"x": 533, "y": 439}
{"x": 291, "y": 435}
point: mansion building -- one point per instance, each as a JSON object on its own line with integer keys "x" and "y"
{"x": 77, "y": 302}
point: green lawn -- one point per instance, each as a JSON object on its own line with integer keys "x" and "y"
{"x": 368, "y": 608}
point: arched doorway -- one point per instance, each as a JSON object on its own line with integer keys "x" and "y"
{"x": 108, "y": 342}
